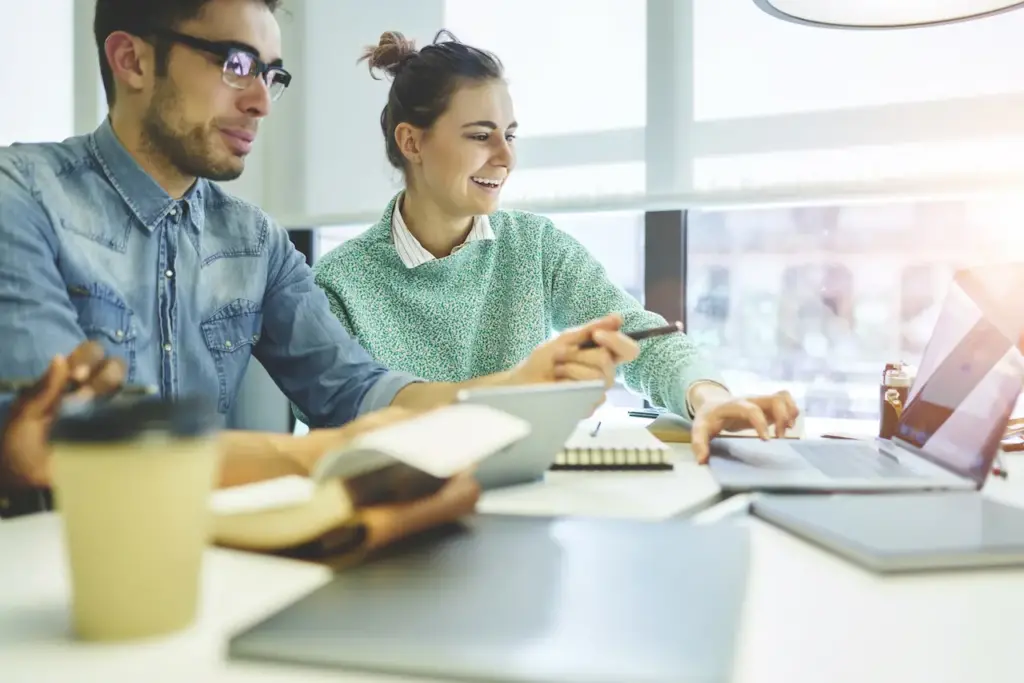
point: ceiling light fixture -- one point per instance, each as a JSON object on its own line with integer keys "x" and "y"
{"x": 882, "y": 14}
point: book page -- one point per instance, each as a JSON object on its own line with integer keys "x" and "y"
{"x": 446, "y": 441}
{"x": 272, "y": 494}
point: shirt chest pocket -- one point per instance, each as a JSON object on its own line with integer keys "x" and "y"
{"x": 106, "y": 319}
{"x": 230, "y": 335}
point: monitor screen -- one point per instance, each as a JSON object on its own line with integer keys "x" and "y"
{"x": 970, "y": 376}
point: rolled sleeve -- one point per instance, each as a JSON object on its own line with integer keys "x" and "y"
{"x": 383, "y": 392}
{"x": 699, "y": 372}
{"x": 324, "y": 372}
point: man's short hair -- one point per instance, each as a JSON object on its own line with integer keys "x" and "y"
{"x": 141, "y": 18}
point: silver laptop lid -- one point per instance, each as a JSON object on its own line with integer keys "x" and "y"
{"x": 970, "y": 377}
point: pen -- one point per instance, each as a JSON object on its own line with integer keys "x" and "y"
{"x": 640, "y": 335}
{"x": 594, "y": 433}
{"x": 18, "y": 386}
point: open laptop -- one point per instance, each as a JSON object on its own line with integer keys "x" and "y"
{"x": 948, "y": 435}
{"x": 552, "y": 410}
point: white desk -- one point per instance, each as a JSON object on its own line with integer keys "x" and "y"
{"x": 650, "y": 496}
{"x": 809, "y": 617}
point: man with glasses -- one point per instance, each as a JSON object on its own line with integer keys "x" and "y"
{"x": 120, "y": 236}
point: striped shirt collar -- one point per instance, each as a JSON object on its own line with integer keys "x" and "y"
{"x": 412, "y": 252}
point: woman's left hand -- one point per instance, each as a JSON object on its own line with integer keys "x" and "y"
{"x": 733, "y": 414}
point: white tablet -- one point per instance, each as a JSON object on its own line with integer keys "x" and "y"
{"x": 552, "y": 411}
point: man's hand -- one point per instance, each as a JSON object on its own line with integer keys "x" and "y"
{"x": 25, "y": 439}
{"x": 734, "y": 414}
{"x": 562, "y": 358}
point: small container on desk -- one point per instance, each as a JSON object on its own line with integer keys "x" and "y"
{"x": 893, "y": 394}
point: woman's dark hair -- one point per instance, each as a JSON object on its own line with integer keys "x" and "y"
{"x": 423, "y": 81}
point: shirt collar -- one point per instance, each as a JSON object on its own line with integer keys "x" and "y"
{"x": 147, "y": 200}
{"x": 412, "y": 252}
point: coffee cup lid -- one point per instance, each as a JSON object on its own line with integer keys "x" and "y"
{"x": 125, "y": 420}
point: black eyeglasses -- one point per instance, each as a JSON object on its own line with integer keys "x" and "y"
{"x": 241, "y": 63}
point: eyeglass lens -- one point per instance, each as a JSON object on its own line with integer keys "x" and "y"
{"x": 240, "y": 68}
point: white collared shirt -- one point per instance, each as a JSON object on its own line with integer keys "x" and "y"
{"x": 412, "y": 252}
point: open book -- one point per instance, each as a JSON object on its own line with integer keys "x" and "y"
{"x": 382, "y": 485}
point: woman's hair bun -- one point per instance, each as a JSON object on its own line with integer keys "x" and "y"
{"x": 389, "y": 54}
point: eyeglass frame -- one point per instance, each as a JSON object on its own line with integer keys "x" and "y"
{"x": 225, "y": 49}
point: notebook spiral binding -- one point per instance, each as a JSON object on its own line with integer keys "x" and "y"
{"x": 609, "y": 459}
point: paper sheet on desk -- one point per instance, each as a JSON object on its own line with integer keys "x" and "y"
{"x": 650, "y": 496}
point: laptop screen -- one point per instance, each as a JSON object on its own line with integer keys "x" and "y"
{"x": 970, "y": 376}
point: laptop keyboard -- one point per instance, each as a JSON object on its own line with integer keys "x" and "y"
{"x": 849, "y": 460}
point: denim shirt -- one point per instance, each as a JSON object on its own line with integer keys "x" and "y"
{"x": 183, "y": 291}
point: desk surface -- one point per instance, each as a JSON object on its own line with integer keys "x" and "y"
{"x": 650, "y": 496}
{"x": 809, "y": 616}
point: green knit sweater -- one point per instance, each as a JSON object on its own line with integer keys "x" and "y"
{"x": 484, "y": 308}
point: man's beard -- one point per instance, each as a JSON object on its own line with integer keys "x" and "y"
{"x": 187, "y": 151}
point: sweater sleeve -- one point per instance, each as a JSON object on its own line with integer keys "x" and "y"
{"x": 578, "y": 291}
{"x": 323, "y": 281}
{"x": 337, "y": 307}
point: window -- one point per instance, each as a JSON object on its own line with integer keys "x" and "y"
{"x": 817, "y": 300}
{"x": 748, "y": 64}
{"x": 862, "y": 164}
{"x": 576, "y": 71}
{"x": 329, "y": 237}
{"x": 616, "y": 240}
{"x": 597, "y": 182}
{"x": 574, "y": 66}
{"x": 777, "y": 104}
{"x": 36, "y": 43}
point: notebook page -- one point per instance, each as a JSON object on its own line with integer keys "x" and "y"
{"x": 613, "y": 436}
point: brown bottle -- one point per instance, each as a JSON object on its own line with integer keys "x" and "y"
{"x": 893, "y": 393}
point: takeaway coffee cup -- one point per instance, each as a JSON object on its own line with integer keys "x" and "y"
{"x": 132, "y": 481}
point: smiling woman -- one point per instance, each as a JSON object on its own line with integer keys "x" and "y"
{"x": 449, "y": 127}
{"x": 449, "y": 287}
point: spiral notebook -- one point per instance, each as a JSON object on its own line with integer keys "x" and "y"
{"x": 598, "y": 446}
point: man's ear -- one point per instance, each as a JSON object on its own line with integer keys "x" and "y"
{"x": 409, "y": 139}
{"x": 131, "y": 60}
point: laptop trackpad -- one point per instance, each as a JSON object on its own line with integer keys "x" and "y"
{"x": 777, "y": 454}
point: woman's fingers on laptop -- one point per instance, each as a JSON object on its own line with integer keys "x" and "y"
{"x": 734, "y": 415}
{"x": 780, "y": 414}
{"x": 738, "y": 414}
{"x": 699, "y": 439}
{"x": 781, "y": 409}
